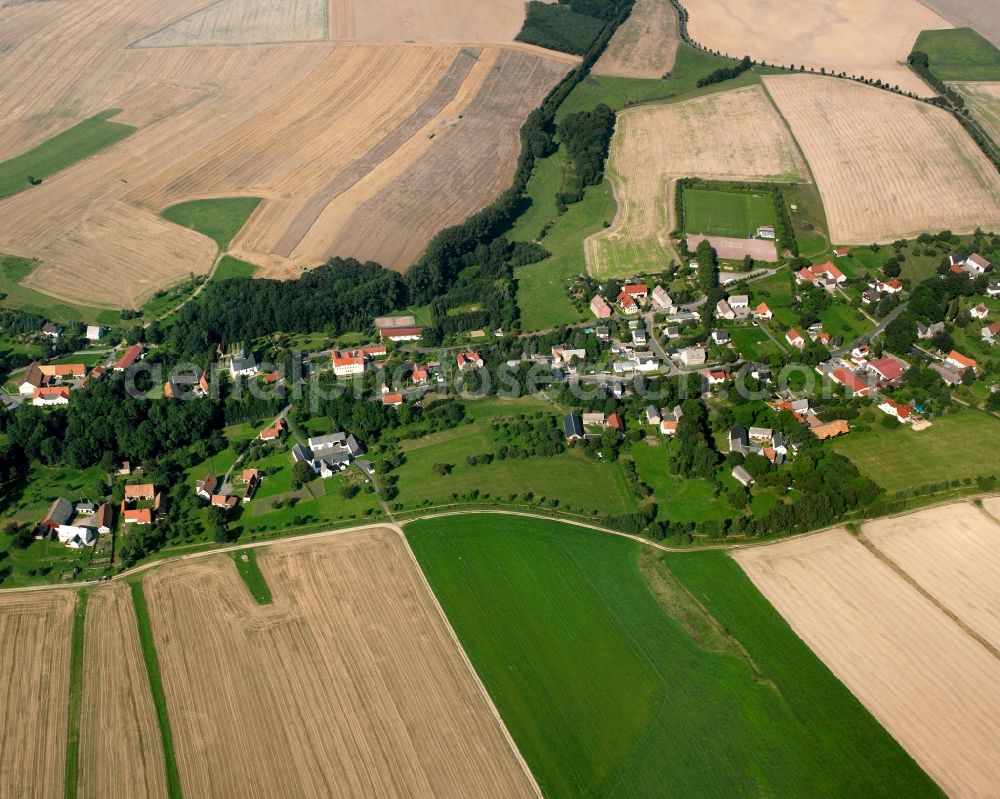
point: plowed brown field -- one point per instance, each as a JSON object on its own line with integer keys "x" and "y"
{"x": 349, "y": 685}
{"x": 731, "y": 135}
{"x": 36, "y": 632}
{"x": 120, "y": 749}
{"x": 889, "y": 630}
{"x": 645, "y": 46}
{"x": 859, "y": 37}
{"x": 887, "y": 167}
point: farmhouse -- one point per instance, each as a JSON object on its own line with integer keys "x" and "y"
{"x": 129, "y": 357}
{"x": 397, "y": 334}
{"x": 223, "y": 501}
{"x": 60, "y": 512}
{"x": 824, "y": 275}
{"x": 599, "y": 307}
{"x": 469, "y": 360}
{"x": 693, "y": 356}
{"x": 888, "y": 370}
{"x": 979, "y": 312}
{"x": 960, "y": 362}
{"x": 95, "y": 332}
{"x": 762, "y": 311}
{"x": 976, "y": 265}
{"x": 636, "y": 290}
{"x": 990, "y": 332}
{"x": 328, "y": 455}
{"x": 392, "y": 400}
{"x": 724, "y": 311}
{"x": 76, "y": 536}
{"x": 925, "y": 332}
{"x": 53, "y": 395}
{"x": 893, "y": 286}
{"x": 251, "y": 481}
{"x": 140, "y": 491}
{"x": 900, "y": 411}
{"x": 855, "y": 386}
{"x": 794, "y": 337}
{"x": 33, "y": 379}
{"x": 347, "y": 364}
{"x": 51, "y": 330}
{"x": 838, "y": 427}
{"x": 841, "y": 252}
{"x": 205, "y": 487}
{"x": 669, "y": 421}
{"x": 140, "y": 516}
{"x": 243, "y": 366}
{"x": 273, "y": 432}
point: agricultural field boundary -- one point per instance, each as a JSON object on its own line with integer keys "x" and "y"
{"x": 75, "y": 695}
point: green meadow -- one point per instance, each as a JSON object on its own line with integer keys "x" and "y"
{"x": 219, "y": 219}
{"x": 621, "y": 672}
{"x": 726, "y": 213}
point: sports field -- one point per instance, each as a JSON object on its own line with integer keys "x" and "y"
{"x": 620, "y": 674}
{"x": 726, "y": 213}
{"x": 955, "y": 447}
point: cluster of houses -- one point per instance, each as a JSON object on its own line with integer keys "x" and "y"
{"x": 631, "y": 299}
{"x": 664, "y": 418}
{"x": 328, "y": 455}
{"x": 141, "y": 504}
{"x": 355, "y": 362}
{"x": 51, "y": 384}
{"x": 78, "y": 525}
{"x": 972, "y": 265}
{"x": 209, "y": 490}
{"x": 825, "y": 276}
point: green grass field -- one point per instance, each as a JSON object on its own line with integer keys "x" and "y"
{"x": 616, "y": 683}
{"x": 726, "y": 213}
{"x": 960, "y": 54}
{"x": 581, "y": 484}
{"x": 62, "y": 150}
{"x": 220, "y": 220}
{"x": 14, "y": 269}
{"x": 962, "y": 445}
{"x": 752, "y": 343}
{"x": 250, "y": 571}
{"x": 230, "y": 267}
{"x": 677, "y": 499}
{"x": 75, "y": 696}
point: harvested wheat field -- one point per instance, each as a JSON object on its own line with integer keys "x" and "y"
{"x": 36, "y": 631}
{"x": 887, "y": 167}
{"x": 350, "y": 684}
{"x": 731, "y": 135}
{"x": 245, "y": 22}
{"x": 645, "y": 46}
{"x": 934, "y": 687}
{"x": 860, "y": 37}
{"x": 457, "y": 21}
{"x": 116, "y": 697}
{"x": 982, "y": 98}
{"x": 390, "y": 216}
{"x": 983, "y": 15}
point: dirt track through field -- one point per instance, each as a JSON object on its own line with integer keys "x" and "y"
{"x": 933, "y": 686}
{"x": 35, "y": 641}
{"x": 860, "y": 37}
{"x": 121, "y": 753}
{"x": 442, "y": 94}
{"x": 887, "y": 167}
{"x": 735, "y": 135}
{"x": 645, "y": 46}
{"x": 349, "y": 685}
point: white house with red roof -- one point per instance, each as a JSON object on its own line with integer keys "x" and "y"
{"x": 898, "y": 410}
{"x": 794, "y": 337}
{"x": 893, "y": 286}
{"x": 129, "y": 357}
{"x": 990, "y": 332}
{"x": 346, "y": 364}
{"x": 979, "y": 312}
{"x": 960, "y": 362}
{"x": 762, "y": 311}
{"x": 824, "y": 275}
{"x": 469, "y": 360}
{"x": 627, "y": 303}
{"x": 50, "y": 395}
{"x": 397, "y": 334}
{"x": 637, "y": 291}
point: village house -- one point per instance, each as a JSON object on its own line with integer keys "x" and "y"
{"x": 960, "y": 362}
{"x": 392, "y": 399}
{"x": 794, "y": 337}
{"x": 193, "y": 384}
{"x": 738, "y": 439}
{"x": 129, "y": 357}
{"x": 636, "y": 290}
{"x": 33, "y": 379}
{"x": 823, "y": 275}
{"x": 823, "y": 431}
{"x": 670, "y": 419}
{"x": 599, "y": 307}
{"x": 469, "y": 360}
{"x": 95, "y": 332}
{"x": 205, "y": 487}
{"x": 979, "y": 312}
{"x": 870, "y": 297}
{"x": 762, "y": 311}
{"x": 990, "y": 332}
{"x": 653, "y": 415}
{"x": 740, "y": 303}
{"x": 328, "y": 455}
{"x": 251, "y": 482}
{"x": 397, "y": 334}
{"x": 140, "y": 516}
{"x": 51, "y": 395}
{"x": 714, "y": 377}
{"x": 627, "y": 303}
{"x": 223, "y": 501}
{"x": 662, "y": 300}
{"x": 856, "y": 387}
{"x": 59, "y": 513}
{"x": 420, "y": 374}
{"x": 573, "y": 427}
{"x": 976, "y": 265}
{"x": 721, "y": 337}
{"x": 900, "y": 411}
{"x": 273, "y": 432}
{"x": 594, "y": 420}
{"x": 950, "y": 375}
{"x": 925, "y": 332}
{"x": 693, "y": 356}
{"x": 841, "y": 252}
{"x": 993, "y": 289}
{"x": 52, "y": 331}
{"x": 241, "y": 365}
{"x": 723, "y": 310}
{"x": 138, "y": 492}
{"x": 893, "y": 286}
{"x": 887, "y": 370}
{"x": 374, "y": 351}
{"x": 346, "y": 364}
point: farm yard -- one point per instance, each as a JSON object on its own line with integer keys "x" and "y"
{"x": 613, "y": 666}
{"x": 735, "y": 135}
{"x": 645, "y": 46}
{"x": 236, "y": 100}
{"x": 35, "y": 640}
{"x": 859, "y": 37}
{"x": 312, "y": 667}
{"x": 117, "y": 698}
{"x": 897, "y": 641}
{"x": 887, "y": 167}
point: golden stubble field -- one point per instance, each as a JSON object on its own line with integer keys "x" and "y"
{"x": 350, "y": 684}
{"x": 983, "y": 99}
{"x": 645, "y": 46}
{"x": 859, "y": 37}
{"x": 230, "y": 101}
{"x": 121, "y": 753}
{"x": 35, "y": 640}
{"x": 887, "y": 167}
{"x": 734, "y": 135}
{"x": 905, "y": 616}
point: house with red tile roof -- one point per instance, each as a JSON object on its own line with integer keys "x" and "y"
{"x": 469, "y": 360}
{"x": 898, "y": 410}
{"x": 50, "y": 395}
{"x": 400, "y": 333}
{"x": 392, "y": 400}
{"x": 856, "y": 387}
{"x": 129, "y": 357}
{"x": 960, "y": 362}
{"x": 627, "y": 303}
{"x": 762, "y": 311}
{"x": 794, "y": 337}
{"x": 273, "y": 432}
{"x": 888, "y": 370}
{"x": 636, "y": 290}
{"x": 346, "y": 364}
{"x": 990, "y": 332}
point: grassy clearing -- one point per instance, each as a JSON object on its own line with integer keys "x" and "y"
{"x": 752, "y": 343}
{"x": 726, "y": 213}
{"x": 156, "y": 686}
{"x": 960, "y": 446}
{"x": 249, "y": 570}
{"x": 618, "y": 93}
{"x": 610, "y": 675}
{"x": 808, "y": 218}
{"x": 677, "y": 499}
{"x": 62, "y": 150}
{"x": 230, "y": 267}
{"x": 960, "y": 54}
{"x": 75, "y": 695}
{"x": 14, "y": 269}
{"x": 220, "y": 220}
